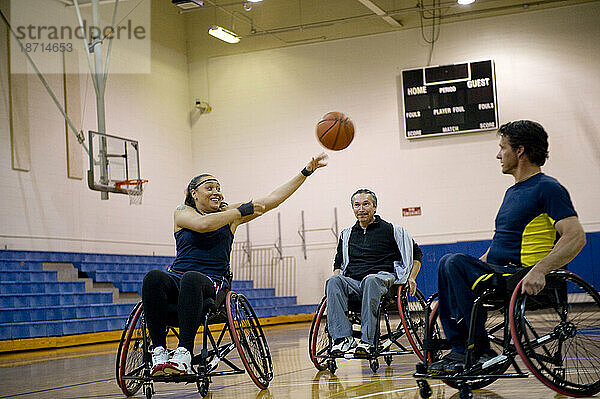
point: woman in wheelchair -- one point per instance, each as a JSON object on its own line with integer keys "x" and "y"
{"x": 204, "y": 228}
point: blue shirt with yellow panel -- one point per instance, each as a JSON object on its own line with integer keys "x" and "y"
{"x": 525, "y": 224}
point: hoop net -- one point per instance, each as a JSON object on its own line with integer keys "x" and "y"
{"x": 134, "y": 189}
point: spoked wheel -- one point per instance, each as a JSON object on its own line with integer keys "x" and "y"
{"x": 318, "y": 339}
{"x": 133, "y": 347}
{"x": 413, "y": 313}
{"x": 249, "y": 339}
{"x": 495, "y": 321}
{"x": 557, "y": 333}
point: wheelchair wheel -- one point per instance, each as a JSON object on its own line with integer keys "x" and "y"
{"x": 133, "y": 353}
{"x": 493, "y": 321}
{"x": 249, "y": 339}
{"x": 556, "y": 333}
{"x": 318, "y": 338}
{"x": 413, "y": 314}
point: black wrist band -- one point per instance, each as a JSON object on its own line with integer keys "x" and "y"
{"x": 306, "y": 172}
{"x": 246, "y": 209}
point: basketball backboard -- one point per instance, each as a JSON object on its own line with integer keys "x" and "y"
{"x": 113, "y": 160}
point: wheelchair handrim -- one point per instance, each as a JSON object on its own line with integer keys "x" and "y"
{"x": 263, "y": 381}
{"x": 521, "y": 350}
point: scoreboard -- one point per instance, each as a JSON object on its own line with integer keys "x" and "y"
{"x": 449, "y": 99}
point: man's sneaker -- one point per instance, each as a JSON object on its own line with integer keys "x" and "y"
{"x": 448, "y": 364}
{"x": 363, "y": 349}
{"x": 159, "y": 357}
{"x": 342, "y": 345}
{"x": 179, "y": 363}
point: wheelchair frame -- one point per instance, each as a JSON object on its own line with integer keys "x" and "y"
{"x": 320, "y": 343}
{"x": 134, "y": 355}
{"x": 542, "y": 348}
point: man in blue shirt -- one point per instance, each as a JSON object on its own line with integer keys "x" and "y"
{"x": 536, "y": 228}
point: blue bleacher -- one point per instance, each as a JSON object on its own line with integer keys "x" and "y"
{"x": 11, "y": 265}
{"x": 60, "y": 327}
{"x": 28, "y": 275}
{"x": 33, "y": 300}
{"x": 71, "y": 257}
{"x": 65, "y": 312}
{"x": 49, "y": 287}
{"x": 34, "y": 304}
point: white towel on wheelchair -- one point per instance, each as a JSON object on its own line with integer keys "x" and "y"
{"x": 405, "y": 245}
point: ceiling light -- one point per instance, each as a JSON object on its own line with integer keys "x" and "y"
{"x": 188, "y": 4}
{"x": 465, "y": 2}
{"x": 254, "y": 1}
{"x": 223, "y": 34}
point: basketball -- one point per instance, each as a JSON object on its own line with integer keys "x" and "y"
{"x": 335, "y": 131}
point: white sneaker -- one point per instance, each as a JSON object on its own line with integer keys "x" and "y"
{"x": 342, "y": 346}
{"x": 180, "y": 362}
{"x": 159, "y": 357}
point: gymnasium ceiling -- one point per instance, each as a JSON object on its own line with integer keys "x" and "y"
{"x": 279, "y": 23}
{"x": 271, "y": 24}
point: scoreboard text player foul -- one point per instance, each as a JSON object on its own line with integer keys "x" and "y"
{"x": 449, "y": 99}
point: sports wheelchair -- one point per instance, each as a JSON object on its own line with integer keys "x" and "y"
{"x": 556, "y": 333}
{"x": 412, "y": 324}
{"x": 134, "y": 356}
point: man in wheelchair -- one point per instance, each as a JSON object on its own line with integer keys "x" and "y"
{"x": 371, "y": 256}
{"x": 536, "y": 231}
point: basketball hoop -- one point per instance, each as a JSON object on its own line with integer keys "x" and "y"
{"x": 134, "y": 189}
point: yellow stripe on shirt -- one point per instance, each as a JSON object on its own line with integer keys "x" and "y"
{"x": 538, "y": 239}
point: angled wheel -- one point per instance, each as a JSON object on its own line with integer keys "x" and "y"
{"x": 133, "y": 354}
{"x": 249, "y": 339}
{"x": 557, "y": 333}
{"x": 413, "y": 313}
{"x": 318, "y": 338}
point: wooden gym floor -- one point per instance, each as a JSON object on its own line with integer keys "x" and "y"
{"x": 88, "y": 372}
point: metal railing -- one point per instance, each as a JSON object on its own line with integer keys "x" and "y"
{"x": 265, "y": 267}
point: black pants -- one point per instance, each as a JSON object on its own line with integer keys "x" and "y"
{"x": 173, "y": 300}
{"x": 457, "y": 274}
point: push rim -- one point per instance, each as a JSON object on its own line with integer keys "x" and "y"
{"x": 412, "y": 313}
{"x": 131, "y": 354}
{"x": 560, "y": 344}
{"x": 319, "y": 338}
{"x": 249, "y": 339}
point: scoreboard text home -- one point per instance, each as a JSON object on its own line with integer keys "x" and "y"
{"x": 449, "y": 99}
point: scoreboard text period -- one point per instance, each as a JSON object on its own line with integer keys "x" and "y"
{"x": 449, "y": 99}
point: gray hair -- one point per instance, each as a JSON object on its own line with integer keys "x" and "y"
{"x": 365, "y": 191}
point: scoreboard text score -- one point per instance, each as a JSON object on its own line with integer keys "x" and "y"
{"x": 449, "y": 99}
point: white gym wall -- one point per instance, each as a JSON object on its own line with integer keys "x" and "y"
{"x": 266, "y": 104}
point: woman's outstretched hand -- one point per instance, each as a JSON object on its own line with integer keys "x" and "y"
{"x": 317, "y": 162}
{"x": 259, "y": 208}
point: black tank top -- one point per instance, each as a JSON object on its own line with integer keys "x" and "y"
{"x": 207, "y": 253}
